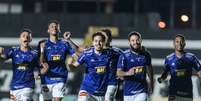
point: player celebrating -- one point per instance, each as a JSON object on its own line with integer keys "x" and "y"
{"x": 180, "y": 64}
{"x": 113, "y": 81}
{"x": 24, "y": 60}
{"x": 54, "y": 52}
{"x": 133, "y": 66}
{"x": 97, "y": 62}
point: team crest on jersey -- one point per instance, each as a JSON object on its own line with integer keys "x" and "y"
{"x": 132, "y": 60}
{"x": 92, "y": 60}
{"x": 17, "y": 56}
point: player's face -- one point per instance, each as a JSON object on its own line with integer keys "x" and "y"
{"x": 98, "y": 43}
{"x": 53, "y": 29}
{"x": 179, "y": 44}
{"x": 135, "y": 42}
{"x": 25, "y": 39}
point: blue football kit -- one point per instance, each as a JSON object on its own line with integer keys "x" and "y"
{"x": 180, "y": 70}
{"x": 55, "y": 54}
{"x": 116, "y": 52}
{"x": 136, "y": 83}
{"x": 23, "y": 64}
{"x": 97, "y": 65}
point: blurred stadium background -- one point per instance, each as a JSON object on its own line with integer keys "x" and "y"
{"x": 157, "y": 20}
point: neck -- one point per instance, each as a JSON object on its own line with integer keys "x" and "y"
{"x": 53, "y": 38}
{"x": 179, "y": 53}
{"x": 24, "y": 48}
{"x": 135, "y": 50}
{"x": 97, "y": 51}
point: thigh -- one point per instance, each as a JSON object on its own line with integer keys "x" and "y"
{"x": 141, "y": 97}
{"x": 98, "y": 98}
{"x": 128, "y": 98}
{"x": 178, "y": 98}
{"x": 111, "y": 89}
{"x": 46, "y": 91}
{"x": 58, "y": 90}
{"x": 84, "y": 96}
{"x": 111, "y": 92}
{"x": 137, "y": 97}
{"x": 24, "y": 94}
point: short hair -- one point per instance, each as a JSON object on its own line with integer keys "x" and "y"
{"x": 108, "y": 33}
{"x": 134, "y": 33}
{"x": 98, "y": 34}
{"x": 53, "y": 21}
{"x": 25, "y": 30}
{"x": 181, "y": 36}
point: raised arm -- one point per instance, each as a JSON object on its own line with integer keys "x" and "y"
{"x": 67, "y": 37}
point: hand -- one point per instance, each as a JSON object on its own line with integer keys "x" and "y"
{"x": 44, "y": 69}
{"x": 1, "y": 50}
{"x": 70, "y": 61}
{"x": 130, "y": 72}
{"x": 159, "y": 80}
{"x": 67, "y": 35}
{"x": 199, "y": 74}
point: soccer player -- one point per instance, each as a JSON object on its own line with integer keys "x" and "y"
{"x": 54, "y": 52}
{"x": 134, "y": 67}
{"x": 113, "y": 81}
{"x": 180, "y": 65}
{"x": 97, "y": 61}
{"x": 24, "y": 60}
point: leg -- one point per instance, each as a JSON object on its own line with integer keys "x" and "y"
{"x": 46, "y": 92}
{"x": 141, "y": 97}
{"x": 110, "y": 93}
{"x": 58, "y": 91}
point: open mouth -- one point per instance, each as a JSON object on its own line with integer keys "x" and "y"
{"x": 26, "y": 41}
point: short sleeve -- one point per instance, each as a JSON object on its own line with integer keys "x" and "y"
{"x": 9, "y": 53}
{"x": 81, "y": 58}
{"x": 148, "y": 59}
{"x": 70, "y": 50}
{"x": 121, "y": 62}
{"x": 166, "y": 65}
{"x": 196, "y": 64}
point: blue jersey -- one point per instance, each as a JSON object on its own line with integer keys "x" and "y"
{"x": 23, "y": 67}
{"x": 180, "y": 70}
{"x": 116, "y": 52}
{"x": 97, "y": 65}
{"x": 55, "y": 55}
{"x": 136, "y": 83}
